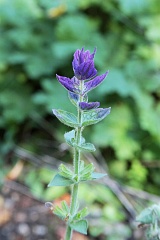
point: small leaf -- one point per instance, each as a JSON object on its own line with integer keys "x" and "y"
{"x": 81, "y": 214}
{"x": 59, "y": 180}
{"x": 80, "y": 226}
{"x": 86, "y": 172}
{"x": 89, "y": 147}
{"x": 62, "y": 211}
{"x": 59, "y": 212}
{"x": 95, "y": 116}
{"x": 65, "y": 207}
{"x": 65, "y": 117}
{"x": 87, "y": 169}
{"x": 66, "y": 172}
{"x": 70, "y": 137}
{"x": 85, "y": 98}
{"x": 82, "y": 140}
{"x": 81, "y": 165}
{"x": 96, "y": 175}
{"x": 86, "y": 177}
{"x": 73, "y": 97}
{"x": 148, "y": 215}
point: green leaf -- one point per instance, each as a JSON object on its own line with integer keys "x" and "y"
{"x": 117, "y": 134}
{"x": 66, "y": 172}
{"x": 65, "y": 206}
{"x": 49, "y": 95}
{"x": 81, "y": 214}
{"x": 86, "y": 177}
{"x": 62, "y": 211}
{"x": 149, "y": 215}
{"x": 87, "y": 169}
{"x": 89, "y": 147}
{"x": 95, "y": 116}
{"x": 96, "y": 175}
{"x": 70, "y": 137}
{"x": 81, "y": 165}
{"x": 65, "y": 117}
{"x": 59, "y": 180}
{"x": 80, "y": 226}
{"x": 59, "y": 212}
{"x": 86, "y": 172}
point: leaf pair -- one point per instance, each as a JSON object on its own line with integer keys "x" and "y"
{"x": 88, "y": 117}
{"x": 76, "y": 222}
{"x": 86, "y": 171}
{"x": 66, "y": 177}
{"x": 83, "y": 146}
{"x": 63, "y": 211}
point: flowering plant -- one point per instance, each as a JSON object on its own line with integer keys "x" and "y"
{"x": 84, "y": 80}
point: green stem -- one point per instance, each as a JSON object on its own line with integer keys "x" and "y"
{"x": 72, "y": 210}
{"x": 76, "y": 161}
{"x": 68, "y": 233}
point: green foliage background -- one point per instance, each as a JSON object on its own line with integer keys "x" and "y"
{"x": 38, "y": 39}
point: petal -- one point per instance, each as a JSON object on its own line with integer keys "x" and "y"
{"x": 94, "y": 82}
{"x": 88, "y": 106}
{"x": 92, "y": 55}
{"x": 75, "y": 62}
{"x": 85, "y": 70}
{"x": 82, "y": 61}
{"x": 81, "y": 56}
{"x": 66, "y": 82}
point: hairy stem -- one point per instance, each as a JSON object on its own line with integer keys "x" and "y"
{"x": 68, "y": 233}
{"x": 76, "y": 162}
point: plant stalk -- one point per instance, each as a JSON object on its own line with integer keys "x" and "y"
{"x": 76, "y": 161}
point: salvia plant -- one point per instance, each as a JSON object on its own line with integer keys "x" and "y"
{"x": 84, "y": 80}
{"x": 151, "y": 217}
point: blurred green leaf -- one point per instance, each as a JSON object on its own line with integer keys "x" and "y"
{"x": 80, "y": 226}
{"x": 65, "y": 117}
{"x": 96, "y": 175}
{"x": 59, "y": 180}
{"x": 70, "y": 137}
{"x": 89, "y": 147}
{"x": 52, "y": 95}
{"x": 95, "y": 116}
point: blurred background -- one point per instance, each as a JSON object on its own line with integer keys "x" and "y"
{"x": 38, "y": 39}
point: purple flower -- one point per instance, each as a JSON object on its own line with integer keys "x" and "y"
{"x": 83, "y": 64}
{"x": 88, "y": 86}
{"x": 71, "y": 85}
{"x": 88, "y": 106}
{"x": 85, "y": 73}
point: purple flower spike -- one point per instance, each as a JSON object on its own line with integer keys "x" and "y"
{"x": 83, "y": 64}
{"x": 71, "y": 85}
{"x": 88, "y": 86}
{"x": 88, "y": 106}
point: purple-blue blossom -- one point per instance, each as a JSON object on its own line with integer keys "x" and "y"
{"x": 89, "y": 85}
{"x": 71, "y": 85}
{"x": 88, "y": 106}
{"x": 84, "y": 71}
{"x": 83, "y": 64}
